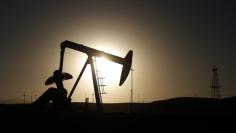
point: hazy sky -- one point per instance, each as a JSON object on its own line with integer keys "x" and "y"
{"x": 175, "y": 45}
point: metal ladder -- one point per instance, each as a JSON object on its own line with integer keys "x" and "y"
{"x": 100, "y": 78}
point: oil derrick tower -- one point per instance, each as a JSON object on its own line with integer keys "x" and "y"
{"x": 215, "y": 86}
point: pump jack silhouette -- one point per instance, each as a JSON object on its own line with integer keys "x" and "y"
{"x": 58, "y": 95}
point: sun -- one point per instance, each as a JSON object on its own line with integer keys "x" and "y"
{"x": 107, "y": 71}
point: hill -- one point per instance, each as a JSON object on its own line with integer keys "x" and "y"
{"x": 177, "y": 114}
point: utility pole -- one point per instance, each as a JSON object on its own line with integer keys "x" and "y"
{"x": 131, "y": 91}
{"x": 215, "y": 86}
{"x": 24, "y": 97}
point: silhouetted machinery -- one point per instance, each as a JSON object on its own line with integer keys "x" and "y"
{"x": 59, "y": 95}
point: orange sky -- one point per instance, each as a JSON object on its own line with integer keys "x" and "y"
{"x": 175, "y": 45}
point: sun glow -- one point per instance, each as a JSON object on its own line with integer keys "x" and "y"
{"x": 107, "y": 70}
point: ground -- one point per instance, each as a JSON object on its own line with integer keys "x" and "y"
{"x": 179, "y": 114}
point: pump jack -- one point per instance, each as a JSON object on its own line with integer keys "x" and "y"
{"x": 126, "y": 62}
